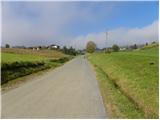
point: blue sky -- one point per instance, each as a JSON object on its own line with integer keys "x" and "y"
{"x": 123, "y": 14}
{"x": 75, "y": 23}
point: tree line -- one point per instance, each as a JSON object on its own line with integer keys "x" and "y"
{"x": 65, "y": 50}
{"x": 91, "y": 47}
{"x": 69, "y": 51}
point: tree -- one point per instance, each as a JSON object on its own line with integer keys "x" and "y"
{"x": 7, "y": 46}
{"x": 108, "y": 50}
{"x": 72, "y": 51}
{"x": 153, "y": 42}
{"x": 64, "y": 50}
{"x": 115, "y": 48}
{"x": 91, "y": 46}
{"x": 69, "y": 51}
{"x": 134, "y": 46}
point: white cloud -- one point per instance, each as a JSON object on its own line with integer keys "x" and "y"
{"x": 18, "y": 28}
{"x": 120, "y": 36}
{"x": 37, "y": 23}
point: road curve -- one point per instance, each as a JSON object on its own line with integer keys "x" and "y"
{"x": 70, "y": 91}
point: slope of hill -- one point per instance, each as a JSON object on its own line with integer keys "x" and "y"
{"x": 129, "y": 82}
{"x": 54, "y": 54}
{"x": 20, "y": 62}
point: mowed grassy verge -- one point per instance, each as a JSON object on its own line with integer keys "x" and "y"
{"x": 134, "y": 92}
{"x": 15, "y": 65}
{"x": 117, "y": 105}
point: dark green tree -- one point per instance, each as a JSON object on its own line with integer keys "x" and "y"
{"x": 64, "y": 50}
{"x": 115, "y": 48}
{"x": 7, "y": 46}
{"x": 69, "y": 51}
{"x": 134, "y": 46}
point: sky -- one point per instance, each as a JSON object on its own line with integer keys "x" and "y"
{"x": 76, "y": 23}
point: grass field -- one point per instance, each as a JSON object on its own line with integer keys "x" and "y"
{"x": 54, "y": 54}
{"x": 20, "y": 62}
{"x": 129, "y": 82}
{"x": 13, "y": 57}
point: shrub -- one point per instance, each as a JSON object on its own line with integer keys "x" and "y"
{"x": 10, "y": 71}
{"x": 7, "y": 46}
{"x": 61, "y": 60}
{"x": 14, "y": 70}
{"x": 108, "y": 50}
{"x": 115, "y": 48}
{"x": 69, "y": 51}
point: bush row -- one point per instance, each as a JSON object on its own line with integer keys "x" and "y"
{"x": 14, "y": 70}
{"x": 16, "y": 65}
{"x": 61, "y": 60}
{"x": 10, "y": 71}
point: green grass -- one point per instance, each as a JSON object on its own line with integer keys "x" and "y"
{"x": 52, "y": 54}
{"x": 153, "y": 45}
{"x": 10, "y": 71}
{"x": 117, "y": 105}
{"x": 13, "y": 57}
{"x": 152, "y": 52}
{"x": 16, "y": 63}
{"x": 135, "y": 77}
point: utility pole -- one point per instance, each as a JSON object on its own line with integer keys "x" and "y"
{"x": 106, "y": 38}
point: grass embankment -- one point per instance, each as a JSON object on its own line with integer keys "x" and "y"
{"x": 14, "y": 57}
{"x": 41, "y": 53}
{"x": 129, "y": 82}
{"x": 19, "y": 62}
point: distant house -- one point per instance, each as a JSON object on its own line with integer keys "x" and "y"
{"x": 53, "y": 46}
{"x": 35, "y": 48}
{"x": 38, "y": 48}
{"x": 42, "y": 47}
{"x": 122, "y": 49}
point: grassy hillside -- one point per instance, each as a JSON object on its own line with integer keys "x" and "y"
{"x": 20, "y": 62}
{"x": 13, "y": 57}
{"x": 54, "y": 54}
{"x": 129, "y": 82}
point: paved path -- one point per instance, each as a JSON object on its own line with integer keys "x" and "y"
{"x": 70, "y": 91}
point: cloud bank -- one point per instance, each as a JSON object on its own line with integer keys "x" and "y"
{"x": 36, "y": 23}
{"x": 120, "y": 36}
{"x": 43, "y": 23}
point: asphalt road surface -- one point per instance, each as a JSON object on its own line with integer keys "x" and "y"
{"x": 70, "y": 91}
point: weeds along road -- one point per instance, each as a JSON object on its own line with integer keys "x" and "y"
{"x": 70, "y": 91}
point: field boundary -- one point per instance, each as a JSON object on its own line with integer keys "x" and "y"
{"x": 21, "y": 80}
{"x": 130, "y": 98}
{"x": 135, "y": 74}
{"x": 114, "y": 112}
{"x": 119, "y": 88}
{"x": 11, "y": 84}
